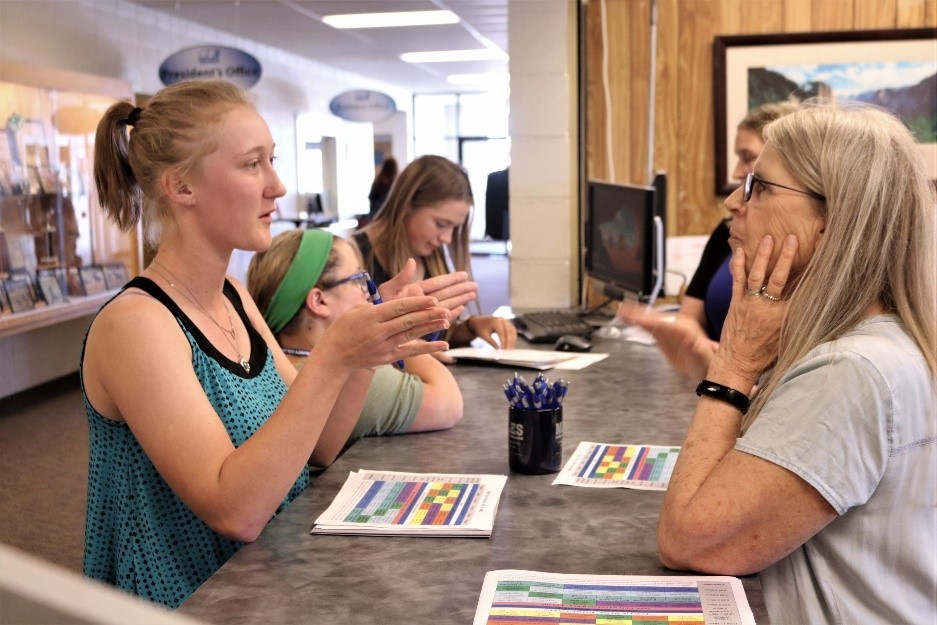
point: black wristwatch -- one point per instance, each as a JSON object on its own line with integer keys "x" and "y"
{"x": 729, "y": 395}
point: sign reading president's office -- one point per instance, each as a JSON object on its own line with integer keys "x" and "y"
{"x": 211, "y": 63}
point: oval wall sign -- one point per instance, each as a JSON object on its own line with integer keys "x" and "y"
{"x": 363, "y": 106}
{"x": 211, "y": 63}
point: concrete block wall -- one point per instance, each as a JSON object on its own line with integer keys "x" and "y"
{"x": 543, "y": 186}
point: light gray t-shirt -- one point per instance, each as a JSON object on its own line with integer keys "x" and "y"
{"x": 857, "y": 419}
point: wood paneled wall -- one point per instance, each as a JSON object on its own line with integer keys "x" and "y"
{"x": 617, "y": 126}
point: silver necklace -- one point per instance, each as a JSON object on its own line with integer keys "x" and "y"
{"x": 230, "y": 335}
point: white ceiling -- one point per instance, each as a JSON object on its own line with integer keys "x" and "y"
{"x": 296, "y": 26}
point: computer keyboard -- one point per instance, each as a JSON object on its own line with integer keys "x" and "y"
{"x": 548, "y": 325}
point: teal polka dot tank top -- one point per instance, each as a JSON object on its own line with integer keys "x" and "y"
{"x": 139, "y": 536}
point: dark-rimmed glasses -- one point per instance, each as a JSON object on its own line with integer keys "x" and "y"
{"x": 751, "y": 179}
{"x": 361, "y": 278}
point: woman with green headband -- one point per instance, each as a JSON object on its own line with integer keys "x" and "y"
{"x": 304, "y": 282}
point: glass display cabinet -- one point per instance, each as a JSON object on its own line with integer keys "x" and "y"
{"x": 60, "y": 258}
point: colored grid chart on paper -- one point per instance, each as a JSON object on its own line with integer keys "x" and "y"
{"x": 414, "y": 503}
{"x": 527, "y": 602}
{"x": 633, "y": 463}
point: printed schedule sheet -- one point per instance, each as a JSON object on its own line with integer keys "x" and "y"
{"x": 533, "y": 598}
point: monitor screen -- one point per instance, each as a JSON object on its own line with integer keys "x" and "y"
{"x": 620, "y": 238}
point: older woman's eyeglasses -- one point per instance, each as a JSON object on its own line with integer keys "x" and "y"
{"x": 361, "y": 279}
{"x": 751, "y": 179}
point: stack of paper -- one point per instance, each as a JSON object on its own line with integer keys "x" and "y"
{"x": 389, "y": 503}
{"x": 533, "y": 598}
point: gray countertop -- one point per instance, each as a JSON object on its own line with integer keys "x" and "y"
{"x": 291, "y": 576}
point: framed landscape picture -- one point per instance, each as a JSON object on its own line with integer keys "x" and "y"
{"x": 893, "y": 69}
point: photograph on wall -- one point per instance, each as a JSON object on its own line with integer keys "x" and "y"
{"x": 115, "y": 275}
{"x": 895, "y": 70}
{"x": 50, "y": 287}
{"x": 92, "y": 279}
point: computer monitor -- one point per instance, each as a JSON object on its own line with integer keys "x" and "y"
{"x": 624, "y": 239}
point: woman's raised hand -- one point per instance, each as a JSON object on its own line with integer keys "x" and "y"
{"x": 680, "y": 338}
{"x": 453, "y": 290}
{"x": 367, "y": 335}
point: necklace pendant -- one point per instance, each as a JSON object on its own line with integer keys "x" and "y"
{"x": 245, "y": 365}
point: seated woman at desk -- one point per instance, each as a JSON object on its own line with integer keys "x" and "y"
{"x": 697, "y": 325}
{"x": 824, "y": 482}
{"x": 302, "y": 284}
{"x": 200, "y": 428}
{"x": 424, "y": 219}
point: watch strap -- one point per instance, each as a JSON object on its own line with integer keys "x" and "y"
{"x": 724, "y": 393}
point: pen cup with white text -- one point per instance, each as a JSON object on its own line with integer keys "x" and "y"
{"x": 535, "y": 440}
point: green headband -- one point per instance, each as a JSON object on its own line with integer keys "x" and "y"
{"x": 302, "y": 275}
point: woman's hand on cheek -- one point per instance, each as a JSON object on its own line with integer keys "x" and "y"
{"x": 749, "y": 342}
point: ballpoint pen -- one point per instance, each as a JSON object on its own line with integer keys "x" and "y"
{"x": 376, "y": 299}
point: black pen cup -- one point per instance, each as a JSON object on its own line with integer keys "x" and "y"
{"x": 535, "y": 440}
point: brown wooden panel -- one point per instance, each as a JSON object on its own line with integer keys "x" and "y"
{"x": 875, "y": 15}
{"x": 911, "y": 13}
{"x": 669, "y": 99}
{"x": 596, "y": 160}
{"x": 684, "y": 132}
{"x": 832, "y": 15}
{"x": 697, "y": 208}
{"x": 797, "y": 16}
{"x": 762, "y": 16}
{"x": 637, "y": 32}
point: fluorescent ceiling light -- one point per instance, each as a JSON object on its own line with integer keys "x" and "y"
{"x": 388, "y": 20}
{"x": 447, "y": 56}
{"x": 478, "y": 79}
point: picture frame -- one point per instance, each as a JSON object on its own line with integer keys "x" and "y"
{"x": 50, "y": 286}
{"x": 4, "y": 302}
{"x": 74, "y": 287}
{"x": 115, "y": 275}
{"x": 92, "y": 279}
{"x": 19, "y": 293}
{"x": 875, "y": 66}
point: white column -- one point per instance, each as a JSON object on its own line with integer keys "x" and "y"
{"x": 543, "y": 190}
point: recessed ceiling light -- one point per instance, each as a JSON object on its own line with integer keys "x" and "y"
{"x": 389, "y": 20}
{"x": 447, "y": 56}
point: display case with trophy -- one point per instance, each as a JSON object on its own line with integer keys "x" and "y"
{"x": 52, "y": 229}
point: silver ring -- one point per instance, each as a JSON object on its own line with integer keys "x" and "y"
{"x": 753, "y": 292}
{"x": 768, "y": 296}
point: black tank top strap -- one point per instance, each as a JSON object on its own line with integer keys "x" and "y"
{"x": 258, "y": 347}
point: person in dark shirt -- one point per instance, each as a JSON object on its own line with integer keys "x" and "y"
{"x": 383, "y": 181}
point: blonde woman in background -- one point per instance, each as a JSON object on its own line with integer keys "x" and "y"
{"x": 303, "y": 283}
